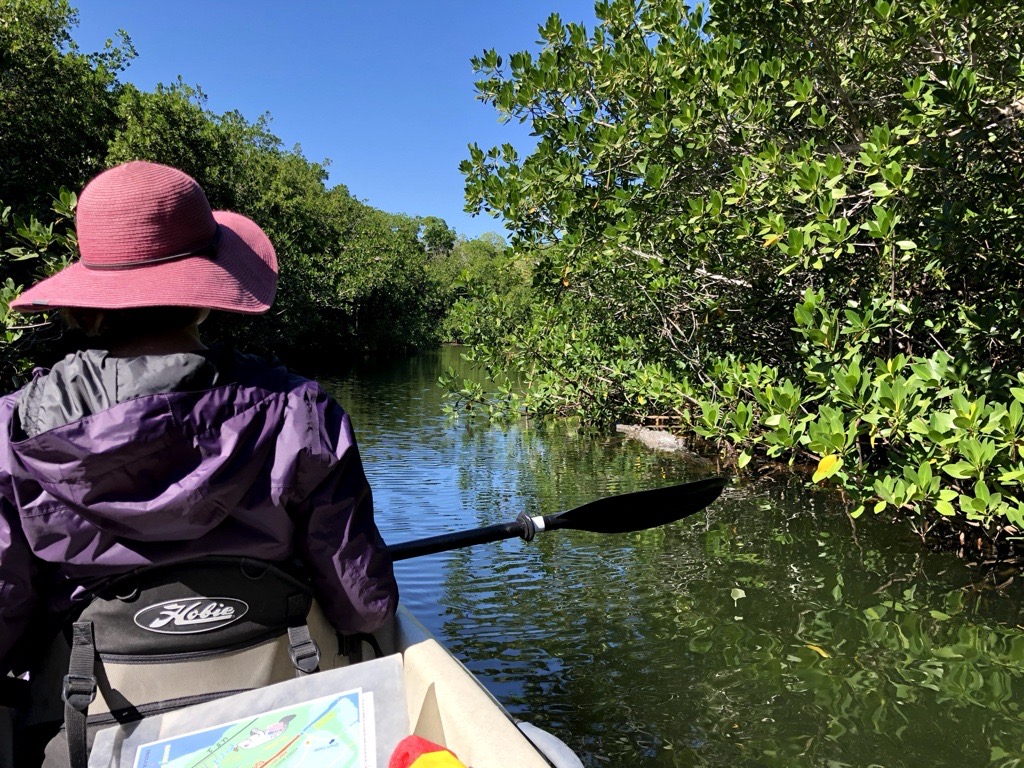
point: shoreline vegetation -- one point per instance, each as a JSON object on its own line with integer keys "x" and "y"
{"x": 790, "y": 232}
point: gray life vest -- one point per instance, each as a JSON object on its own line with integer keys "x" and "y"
{"x": 165, "y": 637}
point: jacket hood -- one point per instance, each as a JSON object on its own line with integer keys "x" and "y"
{"x": 147, "y": 447}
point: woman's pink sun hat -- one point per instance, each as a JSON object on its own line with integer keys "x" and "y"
{"x": 148, "y": 238}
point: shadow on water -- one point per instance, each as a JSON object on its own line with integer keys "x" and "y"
{"x": 768, "y": 631}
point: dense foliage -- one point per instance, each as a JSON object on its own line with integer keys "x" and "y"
{"x": 354, "y": 279}
{"x": 705, "y": 181}
{"x": 56, "y": 103}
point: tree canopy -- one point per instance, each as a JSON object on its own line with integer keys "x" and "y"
{"x": 56, "y": 103}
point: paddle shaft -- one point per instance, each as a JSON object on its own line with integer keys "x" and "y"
{"x": 456, "y": 540}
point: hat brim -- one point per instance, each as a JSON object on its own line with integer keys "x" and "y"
{"x": 242, "y": 277}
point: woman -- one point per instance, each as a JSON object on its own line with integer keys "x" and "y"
{"x": 156, "y": 449}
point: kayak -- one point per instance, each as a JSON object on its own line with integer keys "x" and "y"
{"x": 449, "y": 706}
{"x": 409, "y": 684}
{"x": 415, "y": 686}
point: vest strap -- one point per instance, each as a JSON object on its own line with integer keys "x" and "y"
{"x": 303, "y": 650}
{"x": 79, "y": 691}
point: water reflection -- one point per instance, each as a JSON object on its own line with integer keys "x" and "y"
{"x": 765, "y": 632}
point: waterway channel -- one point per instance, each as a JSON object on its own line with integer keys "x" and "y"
{"x": 770, "y": 630}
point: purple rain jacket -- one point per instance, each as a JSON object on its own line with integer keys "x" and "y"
{"x": 108, "y": 464}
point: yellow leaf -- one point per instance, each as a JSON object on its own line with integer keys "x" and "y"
{"x": 827, "y": 467}
{"x": 771, "y": 240}
{"x": 820, "y": 651}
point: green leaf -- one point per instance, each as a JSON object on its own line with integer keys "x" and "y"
{"x": 960, "y": 470}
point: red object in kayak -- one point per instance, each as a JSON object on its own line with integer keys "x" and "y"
{"x": 417, "y": 752}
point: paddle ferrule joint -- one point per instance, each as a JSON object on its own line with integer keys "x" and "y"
{"x": 528, "y": 526}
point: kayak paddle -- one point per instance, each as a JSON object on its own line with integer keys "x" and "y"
{"x": 613, "y": 514}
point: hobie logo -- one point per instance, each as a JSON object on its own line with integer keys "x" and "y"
{"x": 191, "y": 615}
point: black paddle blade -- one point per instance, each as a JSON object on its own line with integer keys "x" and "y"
{"x": 640, "y": 510}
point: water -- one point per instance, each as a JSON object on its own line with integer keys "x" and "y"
{"x": 770, "y": 630}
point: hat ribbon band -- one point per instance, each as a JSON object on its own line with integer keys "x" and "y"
{"x": 208, "y": 249}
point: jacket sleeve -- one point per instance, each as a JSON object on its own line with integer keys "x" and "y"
{"x": 336, "y": 535}
{"x": 17, "y": 595}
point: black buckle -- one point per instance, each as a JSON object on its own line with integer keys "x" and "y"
{"x": 77, "y": 688}
{"x": 305, "y": 656}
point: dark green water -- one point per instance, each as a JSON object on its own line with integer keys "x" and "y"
{"x": 768, "y": 631}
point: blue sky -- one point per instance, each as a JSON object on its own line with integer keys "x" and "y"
{"x": 384, "y": 89}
